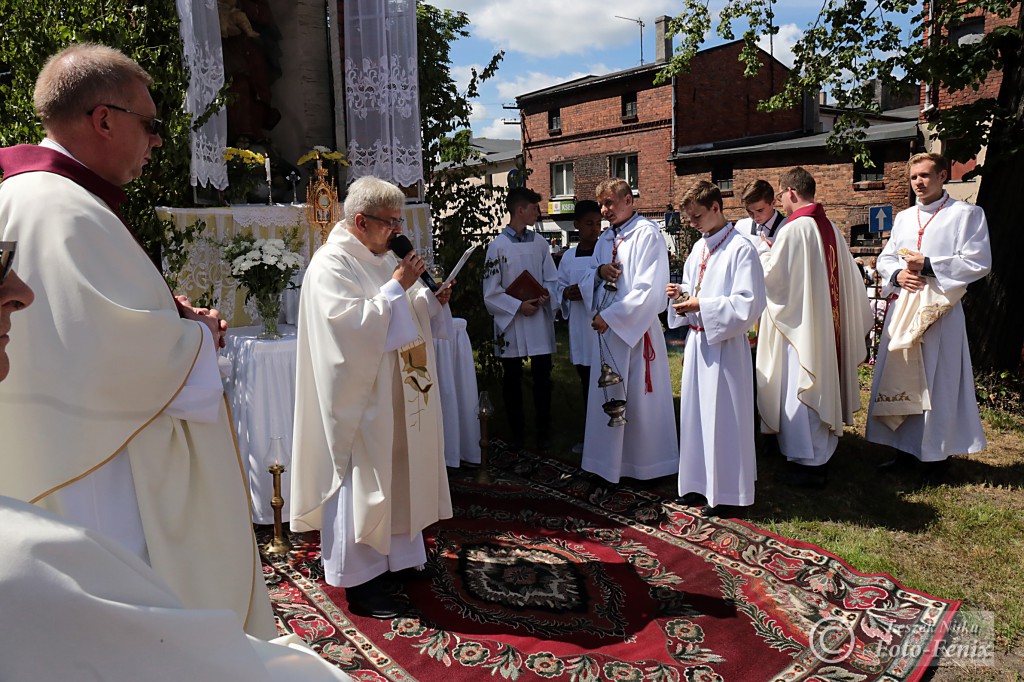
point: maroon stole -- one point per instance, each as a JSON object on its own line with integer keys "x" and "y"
{"x": 828, "y": 242}
{"x": 30, "y": 158}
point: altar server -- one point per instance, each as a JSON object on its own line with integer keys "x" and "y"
{"x": 368, "y": 452}
{"x": 114, "y": 415}
{"x": 576, "y": 303}
{"x": 523, "y": 317}
{"x": 762, "y": 224}
{"x": 724, "y": 294}
{"x": 922, "y": 398}
{"x": 632, "y": 255}
{"x": 812, "y": 334}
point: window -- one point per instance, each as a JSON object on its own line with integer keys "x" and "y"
{"x": 629, "y": 106}
{"x": 861, "y": 173}
{"x": 554, "y": 120}
{"x": 968, "y": 32}
{"x": 721, "y": 175}
{"x": 625, "y": 167}
{"x": 562, "y": 180}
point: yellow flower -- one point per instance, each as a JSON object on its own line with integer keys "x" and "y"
{"x": 323, "y": 153}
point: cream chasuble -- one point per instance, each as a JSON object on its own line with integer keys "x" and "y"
{"x": 716, "y": 406}
{"x": 360, "y": 408}
{"x": 571, "y": 270}
{"x": 647, "y": 446}
{"x": 79, "y": 606}
{"x": 956, "y": 243}
{"x": 796, "y": 347}
{"x": 100, "y": 356}
{"x": 519, "y": 336}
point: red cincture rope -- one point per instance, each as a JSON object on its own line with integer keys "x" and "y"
{"x": 920, "y": 230}
{"x": 648, "y": 358}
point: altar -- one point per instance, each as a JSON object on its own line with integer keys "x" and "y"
{"x": 206, "y": 277}
{"x": 260, "y": 386}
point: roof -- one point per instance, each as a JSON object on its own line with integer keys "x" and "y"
{"x": 653, "y": 67}
{"x": 884, "y": 132}
{"x": 489, "y": 152}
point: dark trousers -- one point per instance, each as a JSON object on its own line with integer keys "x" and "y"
{"x": 584, "y": 372}
{"x": 512, "y": 391}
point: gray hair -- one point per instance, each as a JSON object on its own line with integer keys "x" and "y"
{"x": 368, "y": 195}
{"x": 81, "y": 77}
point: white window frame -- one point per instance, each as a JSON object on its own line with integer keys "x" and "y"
{"x": 558, "y": 173}
{"x": 633, "y": 178}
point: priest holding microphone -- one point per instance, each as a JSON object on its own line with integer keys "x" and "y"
{"x": 368, "y": 452}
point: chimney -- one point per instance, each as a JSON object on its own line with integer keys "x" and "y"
{"x": 662, "y": 40}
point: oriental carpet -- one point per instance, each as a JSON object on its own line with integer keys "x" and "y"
{"x": 552, "y": 574}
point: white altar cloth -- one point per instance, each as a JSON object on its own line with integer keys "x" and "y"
{"x": 260, "y": 385}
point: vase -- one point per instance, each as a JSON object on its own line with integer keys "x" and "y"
{"x": 269, "y": 310}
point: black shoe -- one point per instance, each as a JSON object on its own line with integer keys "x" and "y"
{"x": 694, "y": 500}
{"x": 903, "y": 461}
{"x": 370, "y": 601}
{"x": 706, "y": 510}
{"x": 934, "y": 473}
{"x": 770, "y": 445}
{"x": 804, "y": 476}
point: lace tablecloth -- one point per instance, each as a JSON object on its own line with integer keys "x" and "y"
{"x": 260, "y": 386}
{"x": 205, "y": 272}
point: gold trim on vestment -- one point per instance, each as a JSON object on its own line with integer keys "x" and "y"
{"x": 134, "y": 433}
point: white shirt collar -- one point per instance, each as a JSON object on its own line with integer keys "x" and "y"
{"x": 57, "y": 147}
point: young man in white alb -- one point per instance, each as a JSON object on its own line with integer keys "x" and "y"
{"x": 719, "y": 298}
{"x": 922, "y": 397}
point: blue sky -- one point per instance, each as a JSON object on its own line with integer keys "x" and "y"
{"x": 552, "y": 41}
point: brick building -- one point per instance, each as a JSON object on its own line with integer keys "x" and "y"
{"x": 704, "y": 124}
{"x": 933, "y": 98}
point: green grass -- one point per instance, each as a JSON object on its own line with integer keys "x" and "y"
{"x": 962, "y": 540}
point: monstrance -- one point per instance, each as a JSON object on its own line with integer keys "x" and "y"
{"x": 322, "y": 207}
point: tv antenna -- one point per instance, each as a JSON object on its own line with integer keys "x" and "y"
{"x": 642, "y": 24}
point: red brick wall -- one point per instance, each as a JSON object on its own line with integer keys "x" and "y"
{"x": 715, "y": 102}
{"x": 990, "y": 88}
{"x": 593, "y": 130}
{"x": 845, "y": 203}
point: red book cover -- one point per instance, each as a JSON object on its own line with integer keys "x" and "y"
{"x": 525, "y": 287}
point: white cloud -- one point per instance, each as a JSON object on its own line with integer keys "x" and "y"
{"x": 480, "y": 113}
{"x": 782, "y": 44}
{"x": 498, "y": 130}
{"x": 543, "y": 28}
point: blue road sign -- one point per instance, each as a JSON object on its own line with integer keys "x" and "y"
{"x": 879, "y": 218}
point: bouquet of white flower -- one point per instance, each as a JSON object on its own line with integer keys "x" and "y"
{"x": 264, "y": 267}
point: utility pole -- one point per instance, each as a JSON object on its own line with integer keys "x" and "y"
{"x": 642, "y": 24}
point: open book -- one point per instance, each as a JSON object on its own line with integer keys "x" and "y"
{"x": 525, "y": 287}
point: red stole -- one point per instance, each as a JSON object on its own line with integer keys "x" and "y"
{"x": 828, "y": 242}
{"x": 30, "y": 158}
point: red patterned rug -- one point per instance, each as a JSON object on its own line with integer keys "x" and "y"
{"x": 552, "y": 574}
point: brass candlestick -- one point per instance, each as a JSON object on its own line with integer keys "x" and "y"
{"x": 484, "y": 411}
{"x": 280, "y": 543}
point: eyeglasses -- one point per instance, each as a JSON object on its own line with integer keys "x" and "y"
{"x": 778, "y": 195}
{"x": 6, "y": 259}
{"x": 393, "y": 223}
{"x": 152, "y": 124}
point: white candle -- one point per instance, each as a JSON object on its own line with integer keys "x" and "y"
{"x": 266, "y": 164}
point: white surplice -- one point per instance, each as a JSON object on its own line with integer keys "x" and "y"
{"x": 716, "y": 407}
{"x": 519, "y": 336}
{"x": 646, "y": 446}
{"x": 761, "y": 236}
{"x": 571, "y": 270}
{"x": 79, "y": 606}
{"x": 804, "y": 392}
{"x": 956, "y": 242}
{"x": 368, "y": 450}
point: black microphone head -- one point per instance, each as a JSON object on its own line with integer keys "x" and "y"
{"x": 400, "y": 245}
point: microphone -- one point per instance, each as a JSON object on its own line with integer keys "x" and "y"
{"x": 401, "y": 246}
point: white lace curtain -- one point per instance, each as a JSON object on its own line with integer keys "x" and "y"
{"x": 382, "y": 91}
{"x": 200, "y": 34}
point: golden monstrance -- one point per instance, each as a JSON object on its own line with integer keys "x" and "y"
{"x": 322, "y": 208}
